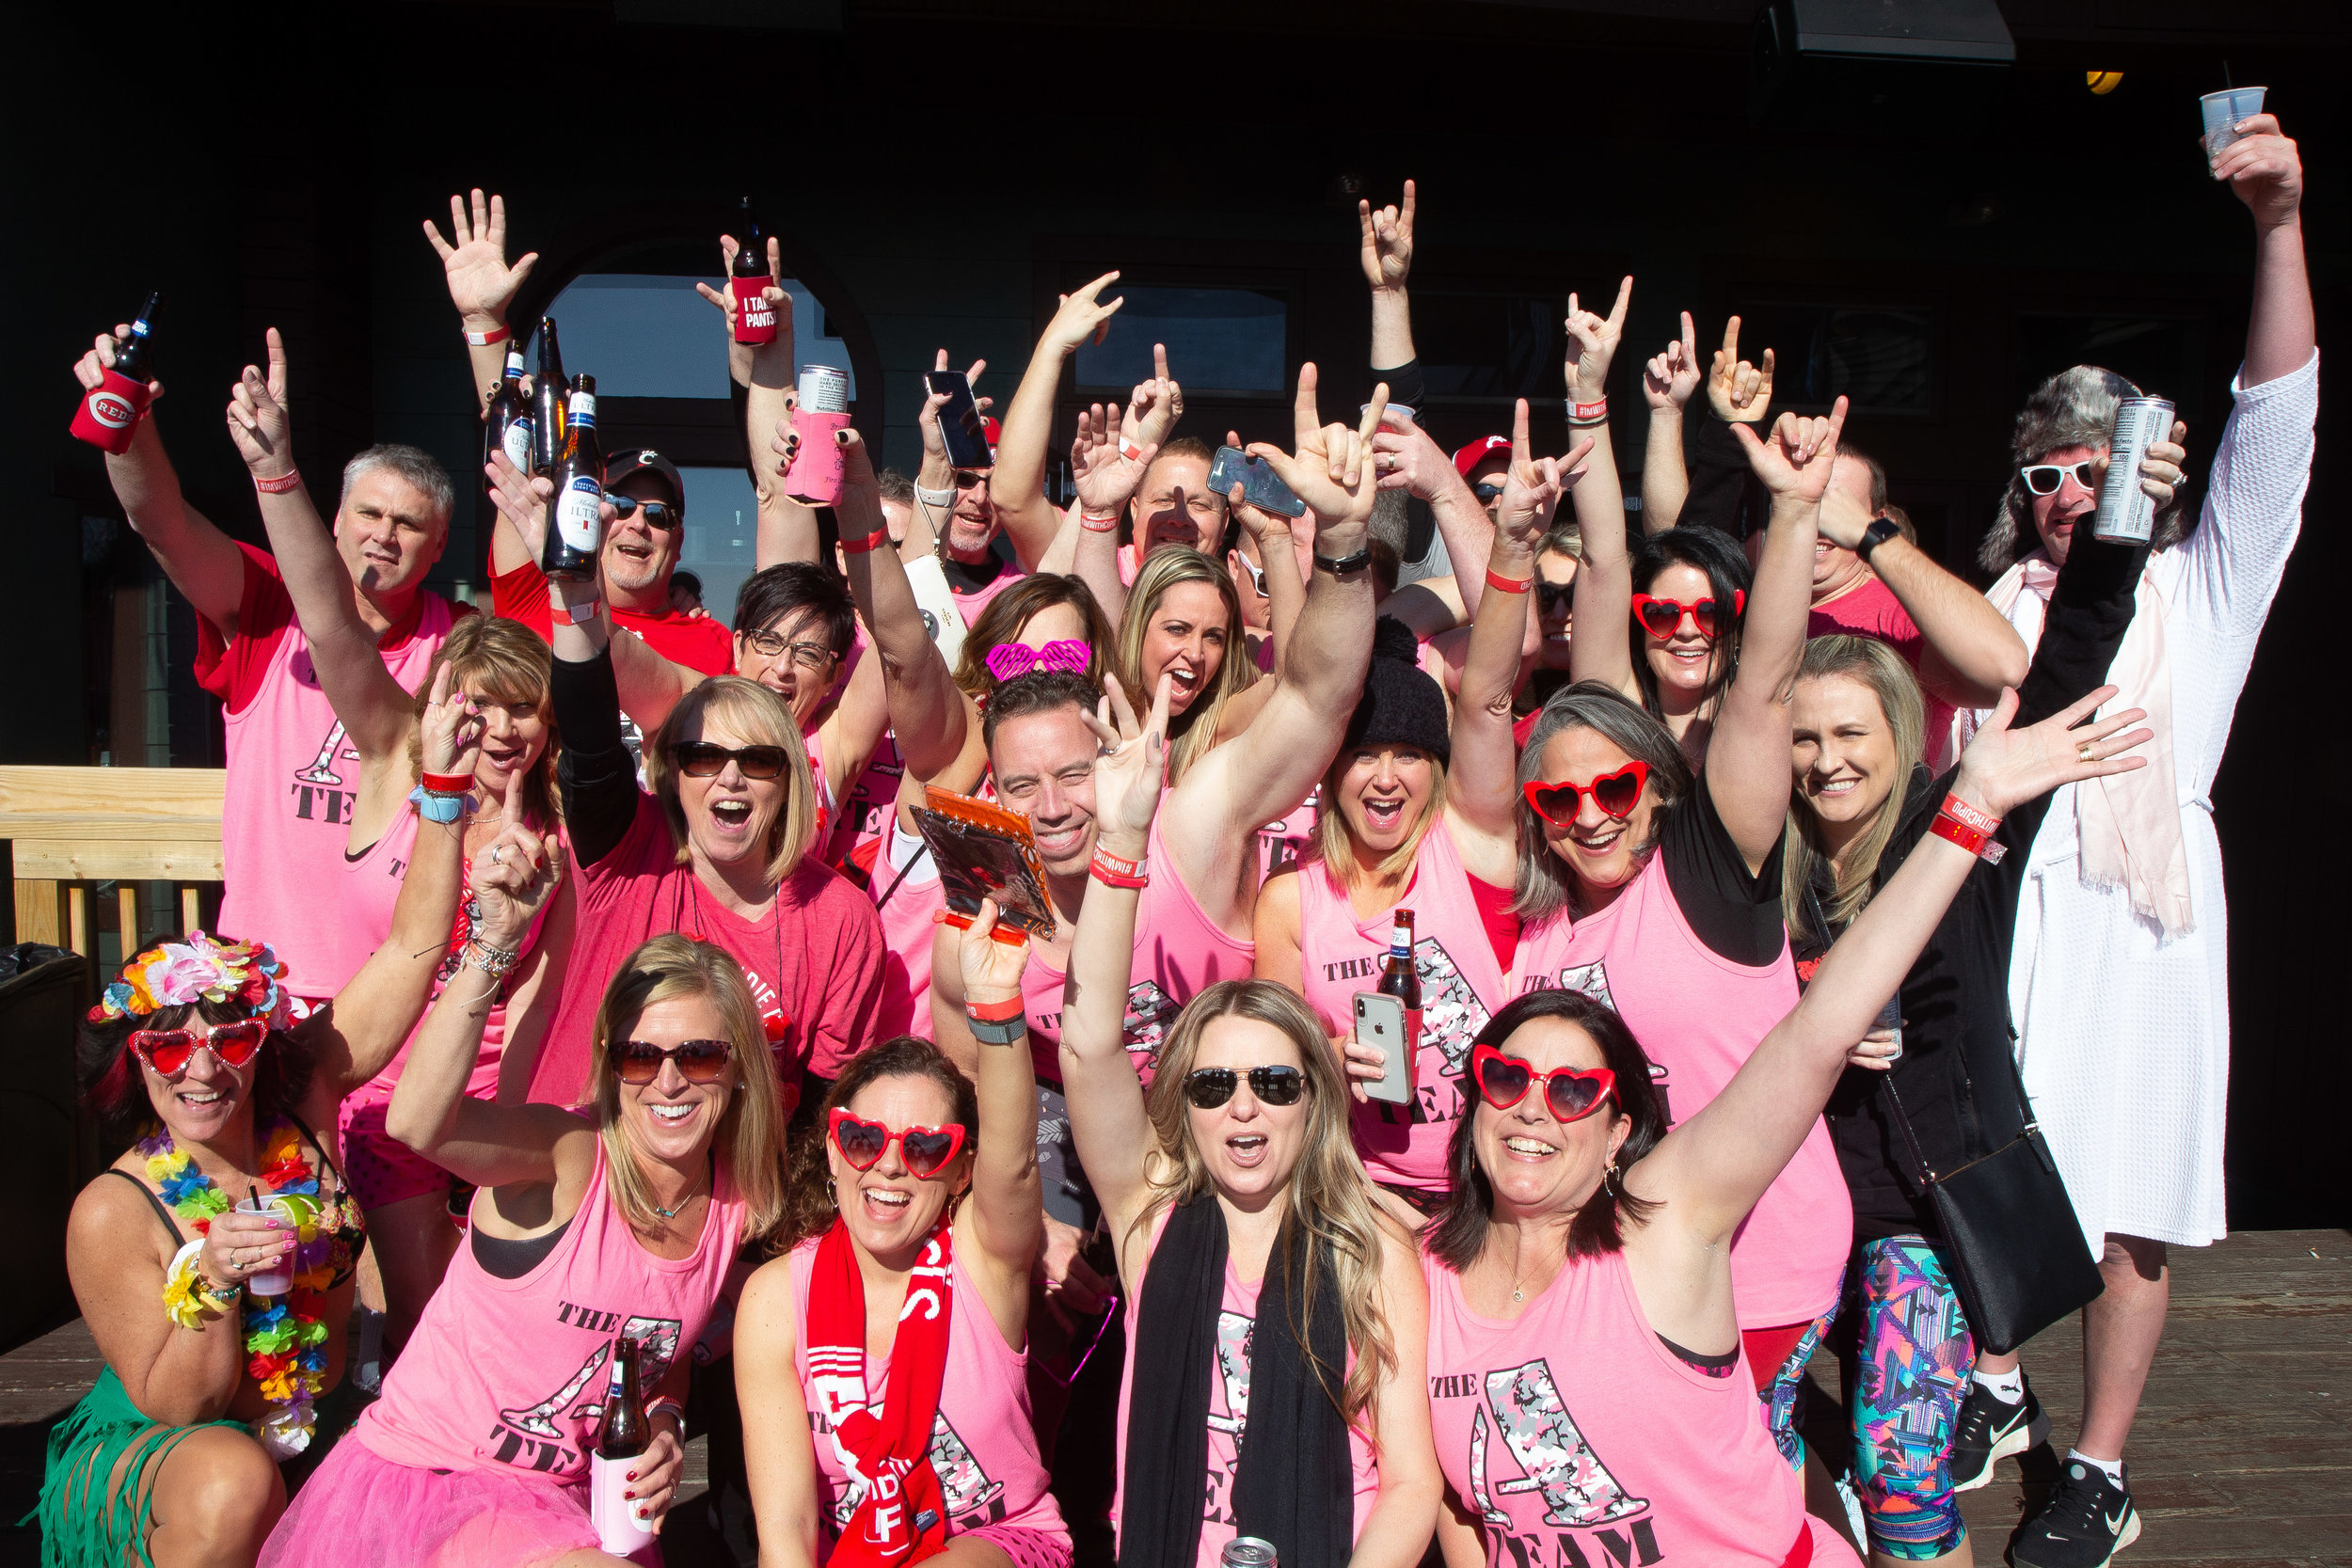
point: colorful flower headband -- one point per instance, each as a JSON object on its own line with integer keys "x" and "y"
{"x": 175, "y": 974}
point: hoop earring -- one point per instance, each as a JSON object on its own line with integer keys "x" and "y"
{"x": 831, "y": 1196}
{"x": 1606, "y": 1177}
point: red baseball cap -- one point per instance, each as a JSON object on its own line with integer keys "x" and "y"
{"x": 1478, "y": 451}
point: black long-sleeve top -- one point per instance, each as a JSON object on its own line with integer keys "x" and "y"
{"x": 596, "y": 774}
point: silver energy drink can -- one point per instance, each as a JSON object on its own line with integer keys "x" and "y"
{"x": 2126, "y": 515}
{"x": 1247, "y": 1551}
{"x": 824, "y": 390}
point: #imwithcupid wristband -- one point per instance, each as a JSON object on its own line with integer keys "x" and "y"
{"x": 1111, "y": 871}
{"x": 1960, "y": 823}
{"x": 1130, "y": 449}
{"x": 1501, "y": 584}
{"x": 483, "y": 340}
{"x": 994, "y": 1012}
{"x": 279, "y": 485}
{"x": 873, "y": 541}
{"x": 446, "y": 783}
{"x": 1596, "y": 412}
{"x": 1098, "y": 522}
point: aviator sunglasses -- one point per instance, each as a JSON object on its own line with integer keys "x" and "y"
{"x": 170, "y": 1050}
{"x": 660, "y": 515}
{"x": 2044, "y": 479}
{"x": 700, "y": 759}
{"x": 1570, "y": 1094}
{"x": 1663, "y": 618}
{"x": 1616, "y": 793}
{"x": 925, "y": 1149}
{"x": 1208, "y": 1087}
{"x": 698, "y": 1061}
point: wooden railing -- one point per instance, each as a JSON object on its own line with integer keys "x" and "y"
{"x": 71, "y": 828}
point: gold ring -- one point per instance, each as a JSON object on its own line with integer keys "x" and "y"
{"x": 2083, "y": 750}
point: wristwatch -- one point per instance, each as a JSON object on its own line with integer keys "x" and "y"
{"x": 1341, "y": 566}
{"x": 1878, "y": 533}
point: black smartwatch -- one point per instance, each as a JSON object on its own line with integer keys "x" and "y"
{"x": 1878, "y": 533}
{"x": 1341, "y": 566}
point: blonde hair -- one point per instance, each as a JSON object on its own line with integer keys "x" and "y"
{"x": 760, "y": 717}
{"x": 1335, "y": 840}
{"x": 748, "y": 1143}
{"x": 1193, "y": 733}
{"x": 1329, "y": 1196}
{"x": 1871, "y": 663}
{"x": 506, "y": 662}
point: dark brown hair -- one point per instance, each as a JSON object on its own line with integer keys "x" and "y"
{"x": 809, "y": 1209}
{"x": 114, "y": 1089}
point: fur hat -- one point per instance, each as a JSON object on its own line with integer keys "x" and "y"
{"x": 1401, "y": 705}
{"x": 2074, "y": 408}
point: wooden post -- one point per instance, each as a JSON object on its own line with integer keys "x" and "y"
{"x": 191, "y": 908}
{"x": 127, "y": 911}
{"x": 41, "y": 912}
{"x": 77, "y": 922}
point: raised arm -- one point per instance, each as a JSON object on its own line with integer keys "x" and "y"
{"x": 1408, "y": 460}
{"x": 922, "y": 705}
{"x": 1667, "y": 382}
{"x": 1747, "y": 754}
{"x": 1604, "y": 584}
{"x": 1387, "y": 254}
{"x": 2265, "y": 169}
{"x": 1108, "y": 458}
{"x": 1737, "y": 394}
{"x": 481, "y": 284}
{"x": 1017, "y": 484}
{"x": 786, "y": 530}
{"x": 1007, "y": 1214}
{"x": 1972, "y": 650}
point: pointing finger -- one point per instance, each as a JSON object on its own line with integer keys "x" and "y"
{"x": 1625, "y": 296}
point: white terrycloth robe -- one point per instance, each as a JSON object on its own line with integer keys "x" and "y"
{"x": 2124, "y": 1039}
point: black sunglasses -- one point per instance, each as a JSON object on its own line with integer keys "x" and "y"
{"x": 700, "y": 759}
{"x": 1549, "y": 597}
{"x": 1488, "y": 493}
{"x": 1208, "y": 1087}
{"x": 967, "y": 478}
{"x": 660, "y": 515}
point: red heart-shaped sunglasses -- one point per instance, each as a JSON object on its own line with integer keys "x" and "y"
{"x": 170, "y": 1050}
{"x": 1663, "y": 618}
{"x": 1570, "y": 1094}
{"x": 925, "y": 1149}
{"x": 1616, "y": 793}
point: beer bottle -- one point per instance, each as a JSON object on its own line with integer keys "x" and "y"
{"x": 755, "y": 318}
{"x": 507, "y": 422}
{"x": 110, "y": 412}
{"x": 547, "y": 403}
{"x": 624, "y": 1432}
{"x": 1401, "y": 979}
{"x": 575, "y": 519}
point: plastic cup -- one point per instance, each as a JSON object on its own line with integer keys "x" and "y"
{"x": 277, "y": 1279}
{"x": 2223, "y": 110}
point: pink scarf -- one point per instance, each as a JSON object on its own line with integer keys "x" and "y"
{"x": 2128, "y": 824}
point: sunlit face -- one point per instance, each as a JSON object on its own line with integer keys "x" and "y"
{"x": 1250, "y": 1147}
{"x": 1600, "y": 851}
{"x": 1537, "y": 1164}
{"x": 889, "y": 1209}
{"x": 388, "y": 533}
{"x": 1835, "y": 567}
{"x": 1485, "y": 481}
{"x": 1185, "y": 639}
{"x": 1842, "y": 749}
{"x": 671, "y": 1119}
{"x": 1683, "y": 663}
{"x": 1175, "y": 506}
{"x": 637, "y": 555}
{"x": 209, "y": 1094}
{"x": 513, "y": 738}
{"x": 729, "y": 818}
{"x": 1056, "y": 623}
{"x": 1244, "y": 564}
{"x": 1044, "y": 769}
{"x": 2055, "y": 515}
{"x": 1555, "y": 606}
{"x": 802, "y": 671}
{"x": 1382, "y": 791}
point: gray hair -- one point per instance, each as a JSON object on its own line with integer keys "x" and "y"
{"x": 1544, "y": 890}
{"x": 414, "y": 465}
{"x": 2074, "y": 408}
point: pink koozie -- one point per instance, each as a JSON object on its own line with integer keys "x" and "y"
{"x": 815, "y": 477}
{"x": 110, "y": 413}
{"x": 755, "y": 318}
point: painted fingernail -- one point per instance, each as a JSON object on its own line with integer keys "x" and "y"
{"x": 632, "y": 1476}
{"x": 641, "y": 1514}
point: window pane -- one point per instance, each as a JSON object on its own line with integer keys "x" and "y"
{"x": 1231, "y": 339}
{"x": 2162, "y": 356}
{"x": 649, "y": 335}
{"x": 1880, "y": 361}
{"x": 721, "y": 529}
{"x": 1488, "y": 345}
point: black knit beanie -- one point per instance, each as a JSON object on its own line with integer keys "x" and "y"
{"x": 1401, "y": 705}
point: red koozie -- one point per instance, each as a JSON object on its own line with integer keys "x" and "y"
{"x": 815, "y": 477}
{"x": 109, "y": 415}
{"x": 754, "y": 317}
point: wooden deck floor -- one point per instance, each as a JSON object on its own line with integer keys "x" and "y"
{"x": 2242, "y": 1454}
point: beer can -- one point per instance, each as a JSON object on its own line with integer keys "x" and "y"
{"x": 824, "y": 390}
{"x": 1247, "y": 1551}
{"x": 2126, "y": 514}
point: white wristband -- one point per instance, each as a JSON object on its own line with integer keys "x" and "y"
{"x": 934, "y": 497}
{"x": 578, "y": 614}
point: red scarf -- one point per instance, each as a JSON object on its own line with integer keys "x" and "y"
{"x": 902, "y": 1517}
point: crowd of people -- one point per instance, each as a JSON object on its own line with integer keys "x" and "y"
{"x": 582, "y": 980}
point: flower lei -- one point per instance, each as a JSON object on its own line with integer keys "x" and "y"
{"x": 201, "y": 968}
{"x": 285, "y": 1338}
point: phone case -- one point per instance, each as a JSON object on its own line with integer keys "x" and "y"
{"x": 960, "y": 428}
{"x": 1380, "y": 1021}
{"x": 984, "y": 852}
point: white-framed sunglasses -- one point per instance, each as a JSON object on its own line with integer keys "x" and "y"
{"x": 2044, "y": 479}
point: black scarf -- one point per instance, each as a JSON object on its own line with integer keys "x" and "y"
{"x": 1294, "y": 1486}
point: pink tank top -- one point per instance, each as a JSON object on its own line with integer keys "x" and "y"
{"x": 1573, "y": 1434}
{"x": 907, "y": 931}
{"x": 1286, "y": 840}
{"x": 1699, "y": 1017}
{"x": 983, "y": 1439}
{"x": 1461, "y": 987}
{"x": 971, "y": 606}
{"x": 293, "y": 783}
{"x": 1228, "y": 1413}
{"x": 510, "y": 1372}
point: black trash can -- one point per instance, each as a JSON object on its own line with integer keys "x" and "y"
{"x": 47, "y": 1151}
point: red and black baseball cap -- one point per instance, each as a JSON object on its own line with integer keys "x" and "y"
{"x": 636, "y": 460}
{"x": 1479, "y": 451}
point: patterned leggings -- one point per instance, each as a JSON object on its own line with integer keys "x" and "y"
{"x": 1912, "y": 1361}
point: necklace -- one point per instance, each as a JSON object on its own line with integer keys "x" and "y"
{"x": 285, "y": 1338}
{"x": 1518, "y": 1287}
{"x": 690, "y": 1197}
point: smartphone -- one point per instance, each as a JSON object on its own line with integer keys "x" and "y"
{"x": 960, "y": 421}
{"x": 1261, "y": 487}
{"x": 1891, "y": 1017}
{"x": 1380, "y": 1021}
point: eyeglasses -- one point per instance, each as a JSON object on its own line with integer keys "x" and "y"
{"x": 2044, "y": 479}
{"x": 925, "y": 1149}
{"x": 1488, "y": 493}
{"x": 1549, "y": 597}
{"x": 1257, "y": 573}
{"x": 1570, "y": 1094}
{"x": 660, "y": 515}
{"x": 1208, "y": 1087}
{"x": 698, "y": 1061}
{"x": 808, "y": 656}
{"x": 700, "y": 759}
{"x": 1616, "y": 793}
{"x": 1008, "y": 660}
{"x": 1663, "y": 618}
{"x": 968, "y": 478}
{"x": 170, "y": 1050}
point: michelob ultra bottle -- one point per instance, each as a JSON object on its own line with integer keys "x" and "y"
{"x": 111, "y": 411}
{"x": 575, "y": 511}
{"x": 507, "y": 422}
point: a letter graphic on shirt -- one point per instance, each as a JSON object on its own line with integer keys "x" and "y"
{"x": 1149, "y": 1011}
{"x": 1451, "y": 1013}
{"x": 1592, "y": 980}
{"x": 1232, "y": 1364}
{"x": 657, "y": 1347}
{"x": 331, "y": 751}
{"x": 973, "y": 1499}
{"x": 1550, "y": 1451}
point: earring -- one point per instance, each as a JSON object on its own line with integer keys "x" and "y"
{"x": 831, "y": 1196}
{"x": 1607, "y": 1177}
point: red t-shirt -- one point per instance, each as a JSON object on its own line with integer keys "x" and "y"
{"x": 1873, "y": 610}
{"x": 695, "y": 640}
{"x": 231, "y": 669}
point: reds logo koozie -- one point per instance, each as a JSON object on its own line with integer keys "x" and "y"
{"x": 754, "y": 317}
{"x": 109, "y": 414}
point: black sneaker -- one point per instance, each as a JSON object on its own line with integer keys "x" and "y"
{"x": 1990, "y": 1428}
{"x": 2087, "y": 1521}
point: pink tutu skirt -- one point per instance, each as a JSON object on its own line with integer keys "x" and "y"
{"x": 362, "y": 1511}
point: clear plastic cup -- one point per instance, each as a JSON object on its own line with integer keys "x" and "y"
{"x": 2223, "y": 110}
{"x": 274, "y": 1279}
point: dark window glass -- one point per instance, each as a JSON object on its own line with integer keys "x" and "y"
{"x": 722, "y": 528}
{"x": 649, "y": 335}
{"x": 1488, "y": 345}
{"x": 1222, "y": 340}
{"x": 2163, "y": 356}
{"x": 1880, "y": 361}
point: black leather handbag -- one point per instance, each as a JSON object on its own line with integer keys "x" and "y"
{"x": 2015, "y": 1247}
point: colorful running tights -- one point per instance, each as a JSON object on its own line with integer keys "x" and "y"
{"x": 1916, "y": 1353}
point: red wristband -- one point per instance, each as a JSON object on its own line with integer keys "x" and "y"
{"x": 1954, "y": 806}
{"x": 279, "y": 485}
{"x": 1111, "y": 871}
{"x": 873, "y": 541}
{"x": 1096, "y": 523}
{"x": 995, "y": 1012}
{"x": 1955, "y": 831}
{"x": 1596, "y": 409}
{"x": 1501, "y": 584}
{"x": 483, "y": 340}
{"x": 446, "y": 783}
